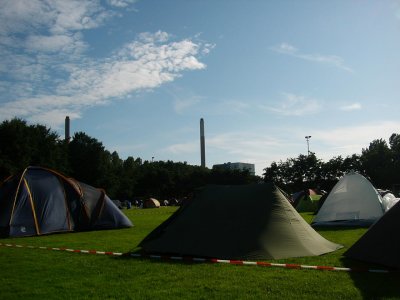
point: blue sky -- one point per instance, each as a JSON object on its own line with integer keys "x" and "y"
{"x": 139, "y": 75}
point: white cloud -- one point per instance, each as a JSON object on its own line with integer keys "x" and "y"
{"x": 351, "y": 107}
{"x": 348, "y": 140}
{"x": 55, "y": 16}
{"x": 159, "y": 36}
{"x": 44, "y": 71}
{"x": 76, "y": 15}
{"x": 360, "y": 135}
{"x": 181, "y": 105}
{"x": 55, "y": 43}
{"x": 274, "y": 144}
{"x": 54, "y": 116}
{"x": 333, "y": 60}
{"x": 233, "y": 107}
{"x": 285, "y": 48}
{"x": 181, "y": 148}
{"x": 208, "y": 47}
{"x": 240, "y": 146}
{"x": 37, "y": 38}
{"x": 139, "y": 65}
{"x": 294, "y": 105}
{"x": 121, "y": 3}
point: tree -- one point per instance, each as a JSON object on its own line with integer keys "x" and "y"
{"x": 295, "y": 173}
{"x": 377, "y": 162}
{"x": 88, "y": 160}
{"x": 128, "y": 178}
{"x": 394, "y": 142}
{"x": 23, "y": 145}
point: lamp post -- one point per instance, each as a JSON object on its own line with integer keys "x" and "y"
{"x": 308, "y": 143}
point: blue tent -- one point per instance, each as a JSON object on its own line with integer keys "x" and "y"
{"x": 42, "y": 201}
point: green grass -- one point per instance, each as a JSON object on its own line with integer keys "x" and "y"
{"x": 44, "y": 274}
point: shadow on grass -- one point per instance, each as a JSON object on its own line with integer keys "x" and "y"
{"x": 159, "y": 258}
{"x": 374, "y": 285}
{"x": 371, "y": 285}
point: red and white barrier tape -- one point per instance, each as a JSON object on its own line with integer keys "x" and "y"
{"x": 206, "y": 260}
{"x": 65, "y": 249}
{"x": 255, "y": 263}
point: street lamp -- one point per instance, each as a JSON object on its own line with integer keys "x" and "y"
{"x": 308, "y": 137}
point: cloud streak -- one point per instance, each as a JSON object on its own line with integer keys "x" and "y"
{"x": 332, "y": 60}
{"x": 294, "y": 105}
{"x": 351, "y": 107}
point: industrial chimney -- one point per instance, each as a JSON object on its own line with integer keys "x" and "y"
{"x": 202, "y": 144}
{"x": 67, "y": 134}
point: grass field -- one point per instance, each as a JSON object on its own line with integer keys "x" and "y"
{"x": 44, "y": 274}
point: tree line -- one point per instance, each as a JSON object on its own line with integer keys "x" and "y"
{"x": 86, "y": 159}
{"x": 379, "y": 162}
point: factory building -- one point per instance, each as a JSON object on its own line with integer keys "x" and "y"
{"x": 237, "y": 166}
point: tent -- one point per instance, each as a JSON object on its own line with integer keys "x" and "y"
{"x": 353, "y": 201}
{"x": 296, "y": 197}
{"x": 41, "y": 201}
{"x": 381, "y": 243}
{"x": 388, "y": 201}
{"x": 254, "y": 221}
{"x": 308, "y": 203}
{"x": 151, "y": 203}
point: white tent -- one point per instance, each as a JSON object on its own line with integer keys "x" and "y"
{"x": 388, "y": 201}
{"x": 353, "y": 201}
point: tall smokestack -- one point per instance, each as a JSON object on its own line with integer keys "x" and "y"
{"x": 202, "y": 144}
{"x": 67, "y": 135}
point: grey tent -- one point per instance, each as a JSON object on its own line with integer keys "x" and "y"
{"x": 41, "y": 201}
{"x": 353, "y": 201}
{"x": 253, "y": 221}
{"x": 381, "y": 243}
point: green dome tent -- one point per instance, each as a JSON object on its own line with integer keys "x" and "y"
{"x": 253, "y": 221}
{"x": 42, "y": 201}
{"x": 307, "y": 202}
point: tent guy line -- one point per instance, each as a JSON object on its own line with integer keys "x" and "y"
{"x": 204, "y": 260}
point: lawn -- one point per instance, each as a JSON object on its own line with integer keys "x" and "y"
{"x": 46, "y": 274}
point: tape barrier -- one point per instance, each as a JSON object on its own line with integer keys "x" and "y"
{"x": 207, "y": 260}
{"x": 64, "y": 249}
{"x": 256, "y": 263}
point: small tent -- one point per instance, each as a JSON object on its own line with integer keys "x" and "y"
{"x": 381, "y": 243}
{"x": 308, "y": 203}
{"x": 254, "y": 221}
{"x": 388, "y": 201}
{"x": 151, "y": 203}
{"x": 296, "y": 197}
{"x": 41, "y": 201}
{"x": 353, "y": 201}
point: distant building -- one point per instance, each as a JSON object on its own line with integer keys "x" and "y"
{"x": 237, "y": 166}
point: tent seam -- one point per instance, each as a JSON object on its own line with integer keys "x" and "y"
{"x": 16, "y": 195}
{"x": 32, "y": 207}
